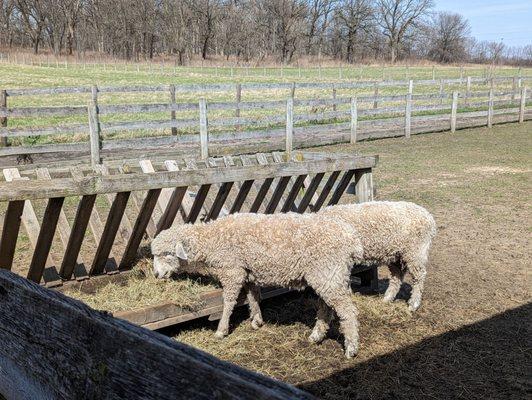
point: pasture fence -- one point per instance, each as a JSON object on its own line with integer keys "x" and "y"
{"x": 215, "y": 127}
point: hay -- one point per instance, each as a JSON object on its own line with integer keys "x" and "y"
{"x": 142, "y": 289}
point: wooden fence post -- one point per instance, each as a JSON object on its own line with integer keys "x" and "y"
{"x": 522, "y": 105}
{"x": 354, "y": 120}
{"x": 172, "y": 113}
{"x": 410, "y": 86}
{"x": 3, "y": 120}
{"x": 454, "y": 108}
{"x": 289, "y": 127}
{"x": 334, "y": 96}
{"x": 204, "y": 132}
{"x": 95, "y": 128}
{"x": 514, "y": 84}
{"x": 433, "y": 73}
{"x": 293, "y": 90}
{"x": 490, "y": 109}
{"x": 375, "y": 95}
{"x": 408, "y": 115}
{"x": 468, "y": 90}
{"x": 238, "y": 99}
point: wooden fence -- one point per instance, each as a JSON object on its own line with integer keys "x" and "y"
{"x": 117, "y": 209}
{"x": 205, "y": 128}
{"x": 56, "y": 348}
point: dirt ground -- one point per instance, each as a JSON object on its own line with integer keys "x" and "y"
{"x": 472, "y": 336}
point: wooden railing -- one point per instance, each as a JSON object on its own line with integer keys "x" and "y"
{"x": 206, "y": 128}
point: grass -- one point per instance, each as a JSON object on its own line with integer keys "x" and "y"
{"x": 469, "y": 338}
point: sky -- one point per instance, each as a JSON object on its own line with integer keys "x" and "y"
{"x": 509, "y": 20}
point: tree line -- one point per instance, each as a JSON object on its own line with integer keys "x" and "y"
{"x": 249, "y": 30}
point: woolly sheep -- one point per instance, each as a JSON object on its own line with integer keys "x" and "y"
{"x": 287, "y": 250}
{"x": 396, "y": 234}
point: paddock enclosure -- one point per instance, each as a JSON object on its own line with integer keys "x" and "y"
{"x": 85, "y": 226}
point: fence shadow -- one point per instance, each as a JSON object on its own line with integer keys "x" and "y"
{"x": 490, "y": 359}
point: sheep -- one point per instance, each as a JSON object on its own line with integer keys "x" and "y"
{"x": 287, "y": 250}
{"x": 396, "y": 234}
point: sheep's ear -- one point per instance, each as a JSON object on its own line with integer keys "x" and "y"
{"x": 180, "y": 252}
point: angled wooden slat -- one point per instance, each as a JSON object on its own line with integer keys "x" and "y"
{"x": 325, "y": 191}
{"x": 175, "y": 203}
{"x": 279, "y": 157}
{"x": 310, "y": 192}
{"x": 219, "y": 201}
{"x": 96, "y": 224}
{"x": 244, "y": 189}
{"x": 126, "y": 228}
{"x": 187, "y": 200}
{"x": 135, "y": 200}
{"x": 109, "y": 232}
{"x": 139, "y": 228}
{"x": 29, "y": 218}
{"x": 191, "y": 196}
{"x": 277, "y": 194}
{"x": 292, "y": 195}
{"x": 162, "y": 202}
{"x": 198, "y": 203}
{"x": 76, "y": 236}
{"x": 11, "y": 227}
{"x": 211, "y": 163}
{"x": 342, "y": 185}
{"x": 44, "y": 240}
{"x": 63, "y": 227}
{"x": 261, "y": 195}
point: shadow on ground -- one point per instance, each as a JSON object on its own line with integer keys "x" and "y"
{"x": 490, "y": 359}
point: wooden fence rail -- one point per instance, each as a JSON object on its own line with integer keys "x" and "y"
{"x": 323, "y": 124}
{"x": 55, "y": 347}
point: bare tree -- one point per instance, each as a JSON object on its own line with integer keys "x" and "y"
{"x": 33, "y": 20}
{"x": 448, "y": 34}
{"x": 397, "y": 17}
{"x": 354, "y": 16}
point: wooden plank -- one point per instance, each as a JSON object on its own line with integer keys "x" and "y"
{"x": 243, "y": 192}
{"x": 454, "y": 108}
{"x": 289, "y": 128}
{"x": 340, "y": 188}
{"x": 164, "y": 197}
{"x": 75, "y": 239}
{"x": 126, "y": 228}
{"x": 364, "y": 185}
{"x": 489, "y": 122}
{"x": 11, "y": 227}
{"x": 204, "y": 132}
{"x": 219, "y": 201}
{"x": 278, "y": 192}
{"x": 522, "y": 105}
{"x": 292, "y": 195}
{"x": 109, "y": 233}
{"x": 408, "y": 115}
{"x": 198, "y": 203}
{"x": 98, "y": 184}
{"x": 354, "y": 120}
{"x": 63, "y": 227}
{"x": 325, "y": 191}
{"x": 139, "y": 228}
{"x": 264, "y": 187}
{"x": 44, "y": 240}
{"x": 310, "y": 192}
{"x": 211, "y": 163}
{"x": 3, "y": 119}
{"x": 169, "y": 214}
{"x": 109, "y": 355}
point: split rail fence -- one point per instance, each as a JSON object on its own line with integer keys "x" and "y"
{"x": 85, "y": 226}
{"x": 209, "y": 128}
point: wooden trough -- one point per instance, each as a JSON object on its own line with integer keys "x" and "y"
{"x": 120, "y": 209}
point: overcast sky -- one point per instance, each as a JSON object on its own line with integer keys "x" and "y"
{"x": 509, "y": 20}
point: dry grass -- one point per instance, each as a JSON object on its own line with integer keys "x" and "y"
{"x": 142, "y": 289}
{"x": 471, "y": 338}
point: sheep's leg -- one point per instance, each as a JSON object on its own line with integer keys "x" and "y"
{"x": 255, "y": 314}
{"x": 418, "y": 272}
{"x": 396, "y": 279}
{"x": 230, "y": 296}
{"x": 323, "y": 319}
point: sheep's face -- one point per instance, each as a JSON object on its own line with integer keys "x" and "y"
{"x": 167, "y": 263}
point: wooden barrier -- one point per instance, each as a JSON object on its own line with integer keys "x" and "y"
{"x": 173, "y": 192}
{"x": 55, "y": 347}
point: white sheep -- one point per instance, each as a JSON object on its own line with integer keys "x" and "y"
{"x": 396, "y": 234}
{"x": 287, "y": 250}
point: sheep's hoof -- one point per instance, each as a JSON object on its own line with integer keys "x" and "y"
{"x": 388, "y": 299}
{"x": 351, "y": 349}
{"x": 220, "y": 334}
{"x": 316, "y": 336}
{"x": 414, "y": 304}
{"x": 256, "y": 322}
